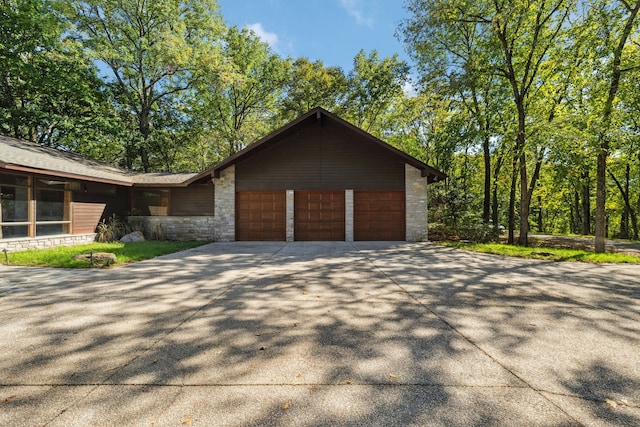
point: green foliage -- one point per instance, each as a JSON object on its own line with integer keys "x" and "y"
{"x": 374, "y": 84}
{"x": 154, "y": 50}
{"x": 310, "y": 85}
{"x": 49, "y": 91}
{"x": 111, "y": 229}
{"x": 126, "y": 253}
{"x": 515, "y": 100}
{"x": 238, "y": 107}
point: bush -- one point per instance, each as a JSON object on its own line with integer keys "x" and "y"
{"x": 111, "y": 230}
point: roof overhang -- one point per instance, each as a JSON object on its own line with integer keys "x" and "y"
{"x": 47, "y": 172}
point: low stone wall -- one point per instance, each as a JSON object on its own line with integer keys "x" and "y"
{"x": 26, "y": 243}
{"x": 175, "y": 227}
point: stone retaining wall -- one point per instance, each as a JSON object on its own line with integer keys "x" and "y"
{"x": 175, "y": 227}
{"x": 43, "y": 242}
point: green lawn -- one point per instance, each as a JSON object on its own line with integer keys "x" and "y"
{"x": 552, "y": 254}
{"x": 126, "y": 253}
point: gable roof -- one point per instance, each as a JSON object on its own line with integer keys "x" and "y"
{"x": 316, "y": 114}
{"x": 25, "y": 156}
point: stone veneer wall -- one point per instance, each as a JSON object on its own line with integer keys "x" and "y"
{"x": 26, "y": 243}
{"x": 225, "y": 205}
{"x": 416, "y": 205}
{"x": 348, "y": 215}
{"x": 175, "y": 227}
{"x": 290, "y": 220}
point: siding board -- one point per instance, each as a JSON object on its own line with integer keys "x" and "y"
{"x": 86, "y": 217}
{"x": 196, "y": 200}
{"x": 327, "y": 157}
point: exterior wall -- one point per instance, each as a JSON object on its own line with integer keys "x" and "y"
{"x": 321, "y": 157}
{"x": 86, "y": 216}
{"x": 176, "y": 227}
{"x": 348, "y": 215}
{"x": 290, "y": 216}
{"x": 225, "y": 205}
{"x": 196, "y": 200}
{"x": 416, "y": 205}
{"x": 26, "y": 243}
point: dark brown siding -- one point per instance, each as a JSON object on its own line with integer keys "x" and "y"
{"x": 378, "y": 215}
{"x": 86, "y": 216}
{"x": 327, "y": 157}
{"x": 115, "y": 198}
{"x": 196, "y": 200}
{"x": 260, "y": 215}
{"x": 319, "y": 215}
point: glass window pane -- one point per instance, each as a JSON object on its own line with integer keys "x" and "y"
{"x": 13, "y": 231}
{"x": 51, "y": 229}
{"x": 14, "y": 180}
{"x": 15, "y": 204}
{"x": 49, "y": 205}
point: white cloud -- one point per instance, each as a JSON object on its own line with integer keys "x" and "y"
{"x": 409, "y": 89}
{"x": 268, "y": 37}
{"x": 355, "y": 9}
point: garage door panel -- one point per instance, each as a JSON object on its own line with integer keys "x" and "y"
{"x": 260, "y": 215}
{"x": 379, "y": 215}
{"x": 319, "y": 215}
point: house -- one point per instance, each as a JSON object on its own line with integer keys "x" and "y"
{"x": 317, "y": 178}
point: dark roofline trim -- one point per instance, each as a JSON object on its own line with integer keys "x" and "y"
{"x": 214, "y": 172}
{"x": 47, "y": 172}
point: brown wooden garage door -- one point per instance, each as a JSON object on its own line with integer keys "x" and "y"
{"x": 319, "y": 215}
{"x": 260, "y": 215}
{"x": 378, "y": 215}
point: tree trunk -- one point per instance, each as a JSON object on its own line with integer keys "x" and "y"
{"x": 512, "y": 199}
{"x": 494, "y": 196}
{"x": 145, "y": 130}
{"x": 600, "y": 198}
{"x": 487, "y": 180}
{"x": 586, "y": 203}
{"x": 574, "y": 212}
{"x": 523, "y": 236}
{"x": 540, "y": 224}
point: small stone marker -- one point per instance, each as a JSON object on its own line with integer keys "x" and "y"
{"x": 136, "y": 236}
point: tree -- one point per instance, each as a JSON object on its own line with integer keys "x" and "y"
{"x": 516, "y": 40}
{"x": 310, "y": 85}
{"x": 153, "y": 49}
{"x": 240, "y": 106}
{"x": 618, "y": 22}
{"x": 373, "y": 84}
{"x": 49, "y": 92}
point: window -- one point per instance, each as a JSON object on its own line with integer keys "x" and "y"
{"x": 14, "y": 206}
{"x": 150, "y": 202}
{"x": 52, "y": 207}
{"x": 34, "y": 207}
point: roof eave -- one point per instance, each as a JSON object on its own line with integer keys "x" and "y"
{"x": 47, "y": 172}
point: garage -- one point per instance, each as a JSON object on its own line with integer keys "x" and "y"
{"x": 317, "y": 164}
{"x": 378, "y": 215}
{"x": 319, "y": 215}
{"x": 260, "y": 215}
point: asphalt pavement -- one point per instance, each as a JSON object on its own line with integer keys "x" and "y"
{"x": 319, "y": 334}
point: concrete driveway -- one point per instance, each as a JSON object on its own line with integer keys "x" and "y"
{"x": 314, "y": 334}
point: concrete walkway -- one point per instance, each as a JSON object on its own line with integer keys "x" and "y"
{"x": 314, "y": 334}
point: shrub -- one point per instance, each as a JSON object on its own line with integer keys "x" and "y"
{"x": 111, "y": 230}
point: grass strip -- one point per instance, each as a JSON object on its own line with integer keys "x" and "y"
{"x": 126, "y": 253}
{"x": 550, "y": 254}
